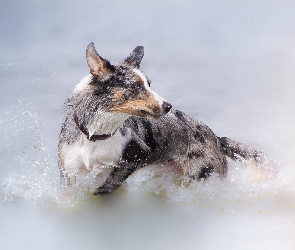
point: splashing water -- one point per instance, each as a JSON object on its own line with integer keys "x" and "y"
{"x": 28, "y": 169}
{"x": 31, "y": 174}
{"x": 26, "y": 163}
{"x": 239, "y": 188}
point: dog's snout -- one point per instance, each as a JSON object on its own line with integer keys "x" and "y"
{"x": 166, "y": 106}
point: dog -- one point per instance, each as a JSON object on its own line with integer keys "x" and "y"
{"x": 115, "y": 122}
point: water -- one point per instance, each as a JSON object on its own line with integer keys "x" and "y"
{"x": 229, "y": 64}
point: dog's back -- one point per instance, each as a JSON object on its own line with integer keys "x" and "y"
{"x": 179, "y": 138}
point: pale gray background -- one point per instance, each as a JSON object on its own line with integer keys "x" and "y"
{"x": 228, "y": 63}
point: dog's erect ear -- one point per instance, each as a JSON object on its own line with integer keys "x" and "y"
{"x": 135, "y": 57}
{"x": 98, "y": 66}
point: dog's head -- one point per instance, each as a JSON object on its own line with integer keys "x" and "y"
{"x": 122, "y": 88}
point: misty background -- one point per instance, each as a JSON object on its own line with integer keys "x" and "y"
{"x": 229, "y": 64}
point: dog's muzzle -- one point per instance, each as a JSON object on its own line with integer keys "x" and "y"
{"x": 166, "y": 107}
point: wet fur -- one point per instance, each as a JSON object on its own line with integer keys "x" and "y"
{"x": 116, "y": 100}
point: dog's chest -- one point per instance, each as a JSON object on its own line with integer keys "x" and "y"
{"x": 88, "y": 154}
{"x": 101, "y": 152}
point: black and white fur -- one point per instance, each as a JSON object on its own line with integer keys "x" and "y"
{"x": 114, "y": 122}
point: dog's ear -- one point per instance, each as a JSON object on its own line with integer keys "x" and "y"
{"x": 135, "y": 57}
{"x": 98, "y": 66}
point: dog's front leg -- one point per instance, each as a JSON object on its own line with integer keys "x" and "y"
{"x": 116, "y": 178}
{"x": 134, "y": 155}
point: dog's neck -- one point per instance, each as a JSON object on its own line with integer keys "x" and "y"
{"x": 106, "y": 123}
{"x": 103, "y": 123}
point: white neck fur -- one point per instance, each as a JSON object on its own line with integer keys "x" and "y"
{"x": 103, "y": 122}
{"x": 106, "y": 123}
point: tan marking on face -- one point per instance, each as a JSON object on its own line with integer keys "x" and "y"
{"x": 118, "y": 95}
{"x": 140, "y": 107}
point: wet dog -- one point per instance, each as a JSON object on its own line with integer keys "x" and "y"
{"x": 114, "y": 122}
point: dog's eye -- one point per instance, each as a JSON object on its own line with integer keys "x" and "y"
{"x": 137, "y": 85}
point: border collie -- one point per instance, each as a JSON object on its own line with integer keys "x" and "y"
{"x": 115, "y": 123}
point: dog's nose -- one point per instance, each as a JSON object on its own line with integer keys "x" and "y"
{"x": 166, "y": 106}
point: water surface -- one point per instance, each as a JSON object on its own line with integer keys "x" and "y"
{"x": 230, "y": 64}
